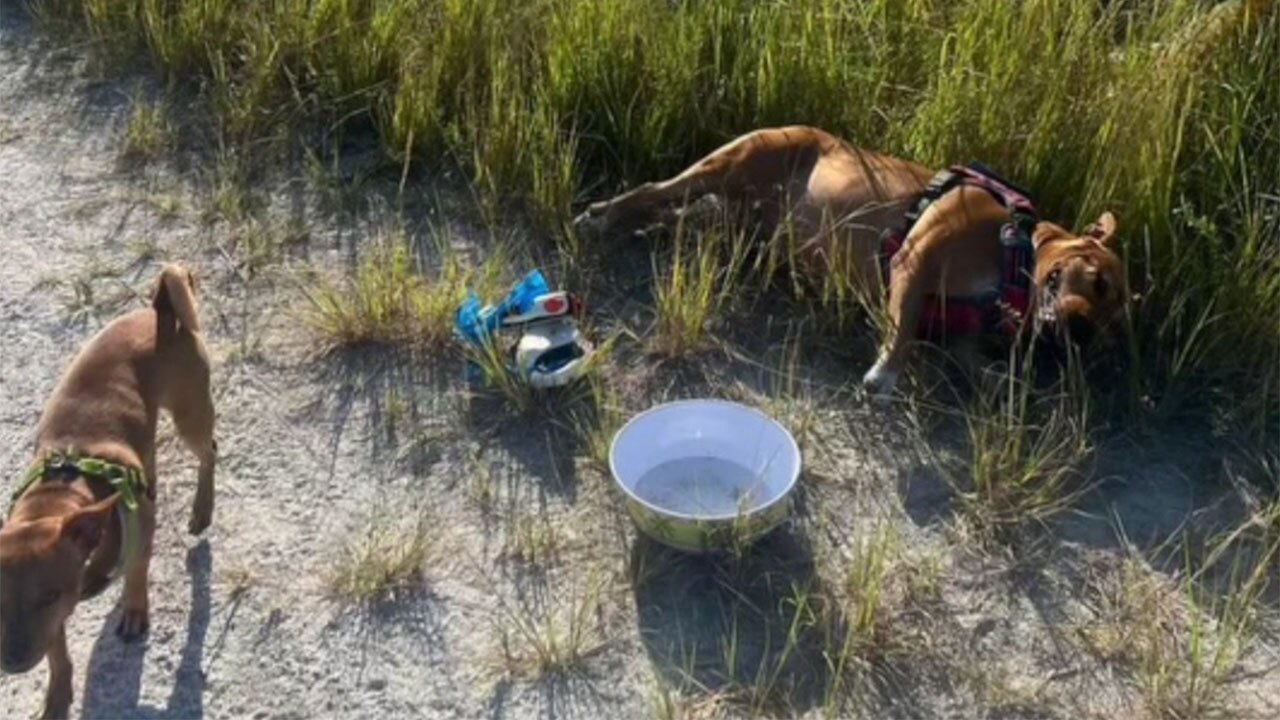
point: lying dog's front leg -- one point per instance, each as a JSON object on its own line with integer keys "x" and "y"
{"x": 908, "y": 285}
{"x": 57, "y": 699}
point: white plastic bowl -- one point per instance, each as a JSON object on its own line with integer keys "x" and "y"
{"x": 700, "y": 474}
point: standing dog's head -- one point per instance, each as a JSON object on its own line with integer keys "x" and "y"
{"x": 41, "y": 564}
{"x": 1081, "y": 290}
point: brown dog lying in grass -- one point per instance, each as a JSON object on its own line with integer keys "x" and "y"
{"x": 840, "y": 204}
{"x": 86, "y": 511}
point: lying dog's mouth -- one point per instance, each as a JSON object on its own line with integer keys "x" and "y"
{"x": 1046, "y": 315}
{"x": 1056, "y": 326}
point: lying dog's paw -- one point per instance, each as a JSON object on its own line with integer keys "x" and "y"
{"x": 134, "y": 624}
{"x": 879, "y": 382}
{"x": 590, "y": 222}
{"x": 707, "y": 208}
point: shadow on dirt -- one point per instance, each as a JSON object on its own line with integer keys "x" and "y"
{"x": 392, "y": 399}
{"x": 739, "y": 625}
{"x": 559, "y": 695}
{"x": 114, "y": 681}
{"x": 414, "y": 616}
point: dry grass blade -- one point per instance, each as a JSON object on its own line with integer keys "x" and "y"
{"x": 598, "y": 421}
{"x": 494, "y": 359}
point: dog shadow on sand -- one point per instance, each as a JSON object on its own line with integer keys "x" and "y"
{"x": 114, "y": 682}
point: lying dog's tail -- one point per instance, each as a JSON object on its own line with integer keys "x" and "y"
{"x": 175, "y": 296}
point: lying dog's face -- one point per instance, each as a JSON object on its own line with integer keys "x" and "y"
{"x": 1080, "y": 286}
{"x": 41, "y": 563}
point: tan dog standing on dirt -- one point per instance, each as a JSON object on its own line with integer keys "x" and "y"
{"x": 87, "y": 509}
{"x": 838, "y": 201}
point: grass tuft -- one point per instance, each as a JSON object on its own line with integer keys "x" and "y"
{"x": 596, "y": 423}
{"x": 387, "y": 558}
{"x": 535, "y": 642}
{"x": 695, "y": 291}
{"x": 148, "y": 134}
{"x": 390, "y": 302}
{"x": 532, "y": 539}
{"x": 1183, "y": 639}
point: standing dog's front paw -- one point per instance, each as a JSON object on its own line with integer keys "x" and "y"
{"x": 201, "y": 510}
{"x": 200, "y": 519}
{"x": 56, "y": 709}
{"x": 133, "y": 625}
{"x": 879, "y": 381}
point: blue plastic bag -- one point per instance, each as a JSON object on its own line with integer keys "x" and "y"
{"x": 474, "y": 323}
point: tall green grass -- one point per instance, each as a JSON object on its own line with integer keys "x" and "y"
{"x": 1162, "y": 110}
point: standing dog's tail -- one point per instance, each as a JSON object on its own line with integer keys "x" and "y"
{"x": 175, "y": 296}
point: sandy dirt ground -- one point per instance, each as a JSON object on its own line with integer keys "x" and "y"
{"x": 313, "y": 448}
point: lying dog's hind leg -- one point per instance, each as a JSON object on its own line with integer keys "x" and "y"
{"x": 654, "y": 202}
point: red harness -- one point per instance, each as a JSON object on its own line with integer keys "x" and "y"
{"x": 1001, "y": 310}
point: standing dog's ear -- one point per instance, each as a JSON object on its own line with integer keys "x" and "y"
{"x": 85, "y": 526}
{"x": 1047, "y": 232}
{"x": 1103, "y": 229}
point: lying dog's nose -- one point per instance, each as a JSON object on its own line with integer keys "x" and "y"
{"x": 1080, "y": 329}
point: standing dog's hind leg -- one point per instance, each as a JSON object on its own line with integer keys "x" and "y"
{"x": 194, "y": 419}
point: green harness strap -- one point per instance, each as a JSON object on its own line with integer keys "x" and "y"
{"x": 129, "y": 482}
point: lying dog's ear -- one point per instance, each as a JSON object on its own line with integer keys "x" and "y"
{"x": 1103, "y": 229}
{"x": 1047, "y": 232}
{"x": 85, "y": 526}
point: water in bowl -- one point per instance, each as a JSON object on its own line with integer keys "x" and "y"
{"x": 701, "y": 486}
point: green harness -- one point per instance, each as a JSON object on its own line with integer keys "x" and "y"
{"x": 129, "y": 482}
